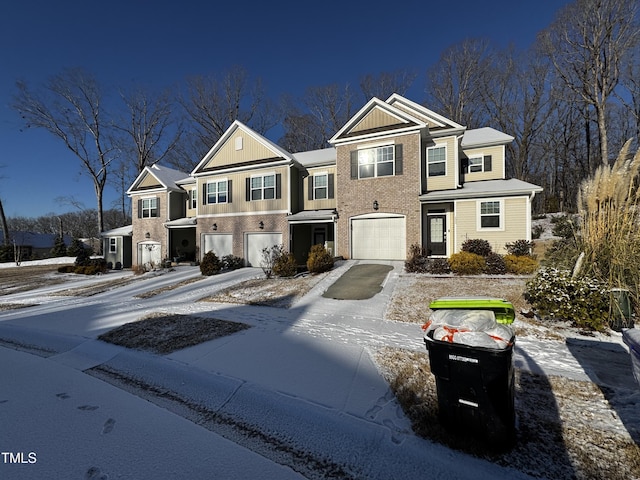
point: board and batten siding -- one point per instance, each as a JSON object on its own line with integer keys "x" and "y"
{"x": 240, "y": 148}
{"x": 517, "y": 223}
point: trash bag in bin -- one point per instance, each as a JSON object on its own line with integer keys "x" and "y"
{"x": 471, "y": 356}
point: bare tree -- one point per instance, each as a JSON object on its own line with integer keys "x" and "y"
{"x": 385, "y": 84}
{"x": 454, "y": 83}
{"x": 69, "y": 106}
{"x": 587, "y": 45}
{"x": 213, "y": 104}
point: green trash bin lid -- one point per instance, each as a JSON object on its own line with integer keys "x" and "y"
{"x": 503, "y": 310}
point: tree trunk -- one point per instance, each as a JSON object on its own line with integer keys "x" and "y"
{"x": 602, "y": 131}
{"x": 5, "y": 227}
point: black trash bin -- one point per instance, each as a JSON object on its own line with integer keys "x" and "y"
{"x": 476, "y": 389}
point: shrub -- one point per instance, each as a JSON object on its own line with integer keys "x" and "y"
{"x": 494, "y": 264}
{"x": 417, "y": 261}
{"x": 66, "y": 269}
{"x": 583, "y": 301}
{"x": 231, "y": 262}
{"x": 285, "y": 265}
{"x": 83, "y": 258}
{"x": 76, "y": 248}
{"x": 477, "y": 246}
{"x": 520, "y": 265}
{"x": 319, "y": 260}
{"x": 59, "y": 248}
{"x": 438, "y": 266}
{"x": 210, "y": 264}
{"x": 520, "y": 248}
{"x": 564, "y": 226}
{"x": 467, "y": 263}
{"x": 138, "y": 269}
{"x": 536, "y": 231}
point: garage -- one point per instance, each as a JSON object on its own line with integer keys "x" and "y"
{"x": 255, "y": 242}
{"x": 378, "y": 238}
{"x": 219, "y": 243}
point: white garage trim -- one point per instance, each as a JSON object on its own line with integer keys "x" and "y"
{"x": 220, "y": 243}
{"x": 255, "y": 242}
{"x": 378, "y": 237}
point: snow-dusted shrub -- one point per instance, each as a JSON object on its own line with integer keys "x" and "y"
{"x": 319, "y": 260}
{"x": 520, "y": 265}
{"x": 494, "y": 264}
{"x": 467, "y": 263}
{"x": 520, "y": 248}
{"x": 583, "y": 301}
{"x": 231, "y": 262}
{"x": 438, "y": 266}
{"x": 477, "y": 245}
{"x": 210, "y": 264}
{"x": 417, "y": 261}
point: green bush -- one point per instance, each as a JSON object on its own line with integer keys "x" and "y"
{"x": 467, "y": 263}
{"x": 520, "y": 265}
{"x": 76, "y": 248}
{"x": 285, "y": 265}
{"x": 417, "y": 261}
{"x": 564, "y": 226}
{"x": 231, "y": 262}
{"x": 476, "y": 245}
{"x": 210, "y": 264}
{"x": 520, "y": 248}
{"x": 319, "y": 260}
{"x": 59, "y": 248}
{"x": 495, "y": 264}
{"x": 537, "y": 231}
{"x": 583, "y": 301}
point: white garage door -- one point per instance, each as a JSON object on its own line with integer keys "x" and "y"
{"x": 220, "y": 243}
{"x": 378, "y": 238}
{"x": 254, "y": 244}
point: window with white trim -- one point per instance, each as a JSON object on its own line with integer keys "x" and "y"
{"x": 320, "y": 186}
{"x": 263, "y": 187}
{"x": 113, "y": 245}
{"x": 193, "y": 198}
{"x": 216, "y": 192}
{"x": 150, "y": 208}
{"x": 491, "y": 214}
{"x": 376, "y": 162}
{"x": 437, "y": 161}
{"x": 476, "y": 164}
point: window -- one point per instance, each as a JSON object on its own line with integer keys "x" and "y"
{"x": 149, "y": 208}
{"x": 193, "y": 198}
{"x": 376, "y": 162}
{"x": 216, "y": 192}
{"x": 475, "y": 164}
{"x": 321, "y": 186}
{"x": 263, "y": 188}
{"x": 113, "y": 245}
{"x": 436, "y": 161}
{"x": 490, "y": 216}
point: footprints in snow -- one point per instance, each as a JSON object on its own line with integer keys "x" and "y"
{"x": 388, "y": 402}
{"x": 106, "y": 428}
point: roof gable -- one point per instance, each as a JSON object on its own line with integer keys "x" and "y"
{"x": 157, "y": 177}
{"x": 432, "y": 119}
{"x": 241, "y": 146}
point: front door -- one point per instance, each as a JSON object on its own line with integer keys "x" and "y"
{"x": 437, "y": 235}
{"x": 319, "y": 236}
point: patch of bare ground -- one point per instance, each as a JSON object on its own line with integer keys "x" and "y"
{"x": 91, "y": 290}
{"x": 158, "y": 291}
{"x": 162, "y": 333}
{"x": 272, "y": 292}
{"x": 15, "y": 306}
{"x": 24, "y": 278}
{"x": 564, "y": 426}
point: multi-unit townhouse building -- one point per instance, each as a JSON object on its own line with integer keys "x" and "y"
{"x": 395, "y": 175}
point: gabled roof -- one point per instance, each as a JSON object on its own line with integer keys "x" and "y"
{"x": 166, "y": 179}
{"x": 278, "y": 151}
{"x": 484, "y": 189}
{"x": 402, "y": 121}
{"x": 433, "y": 119}
{"x": 484, "y": 137}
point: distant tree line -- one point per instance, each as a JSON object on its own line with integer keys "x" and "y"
{"x": 570, "y": 101}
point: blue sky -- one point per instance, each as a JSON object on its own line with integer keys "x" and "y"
{"x": 290, "y": 45}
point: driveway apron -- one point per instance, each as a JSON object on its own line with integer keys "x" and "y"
{"x": 359, "y": 282}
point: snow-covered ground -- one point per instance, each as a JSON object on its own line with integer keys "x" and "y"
{"x": 298, "y": 395}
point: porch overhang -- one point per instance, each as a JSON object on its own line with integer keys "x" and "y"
{"x": 189, "y": 222}
{"x": 483, "y": 189}
{"x": 313, "y": 216}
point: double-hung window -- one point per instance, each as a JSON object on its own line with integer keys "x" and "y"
{"x": 437, "y": 161}
{"x": 491, "y": 214}
{"x": 216, "y": 192}
{"x": 149, "y": 208}
{"x": 320, "y": 186}
{"x": 113, "y": 245}
{"x": 263, "y": 187}
{"x": 193, "y": 198}
{"x": 476, "y": 164}
{"x": 376, "y": 162}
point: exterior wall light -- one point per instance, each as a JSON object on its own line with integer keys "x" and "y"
{"x": 375, "y": 205}
{"x": 147, "y": 235}
{"x": 261, "y": 225}
{"x": 214, "y": 227}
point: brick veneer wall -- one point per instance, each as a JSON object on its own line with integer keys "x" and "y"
{"x": 396, "y": 195}
{"x": 153, "y": 226}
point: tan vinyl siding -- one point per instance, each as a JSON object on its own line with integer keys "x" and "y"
{"x": 239, "y": 204}
{"x": 149, "y": 181}
{"x": 191, "y": 212}
{"x": 516, "y": 223}
{"x": 497, "y": 163}
{"x": 375, "y": 119}
{"x": 450, "y": 180}
{"x": 250, "y": 150}
{"x": 322, "y": 204}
